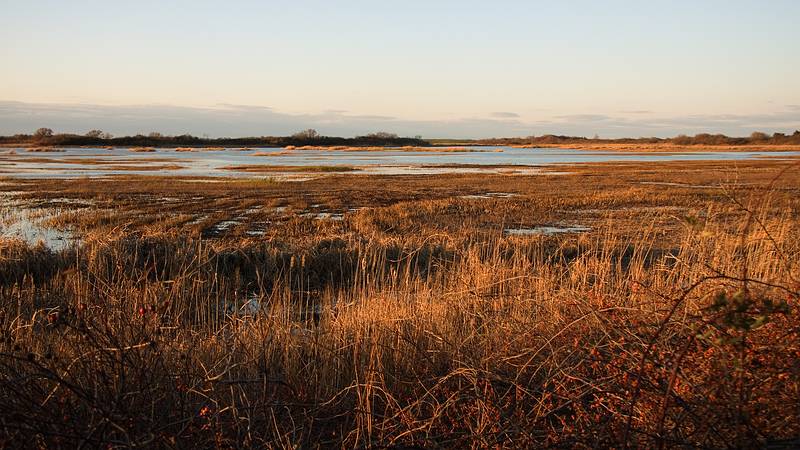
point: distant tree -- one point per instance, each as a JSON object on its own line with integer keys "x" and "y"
{"x": 306, "y": 134}
{"x": 682, "y": 139}
{"x": 43, "y": 133}
{"x": 720, "y": 139}
{"x": 94, "y": 134}
{"x": 549, "y": 139}
{"x": 758, "y": 136}
{"x": 106, "y": 136}
{"x": 702, "y": 138}
{"x": 382, "y": 135}
{"x": 155, "y": 135}
{"x": 709, "y": 139}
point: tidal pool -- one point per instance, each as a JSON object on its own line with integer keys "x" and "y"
{"x": 82, "y": 162}
{"x": 28, "y": 225}
{"x": 545, "y": 230}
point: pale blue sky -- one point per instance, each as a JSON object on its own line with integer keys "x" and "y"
{"x": 435, "y": 68}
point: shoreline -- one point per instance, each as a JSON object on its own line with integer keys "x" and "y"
{"x": 449, "y": 148}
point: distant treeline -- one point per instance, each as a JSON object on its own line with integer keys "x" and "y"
{"x": 698, "y": 139}
{"x": 46, "y": 137}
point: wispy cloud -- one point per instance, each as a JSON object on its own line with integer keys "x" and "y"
{"x": 585, "y": 118}
{"x": 637, "y": 111}
{"x": 504, "y": 115}
{"x": 249, "y": 120}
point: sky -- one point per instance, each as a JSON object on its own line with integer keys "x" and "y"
{"x": 442, "y": 69}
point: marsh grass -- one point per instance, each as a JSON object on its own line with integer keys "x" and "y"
{"x": 413, "y": 324}
{"x": 301, "y": 169}
{"x": 666, "y": 147}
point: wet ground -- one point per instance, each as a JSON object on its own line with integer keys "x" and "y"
{"x": 298, "y": 164}
{"x": 576, "y": 201}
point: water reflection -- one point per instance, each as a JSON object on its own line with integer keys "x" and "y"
{"x": 78, "y": 162}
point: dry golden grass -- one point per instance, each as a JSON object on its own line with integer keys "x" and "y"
{"x": 415, "y": 322}
{"x": 43, "y": 149}
{"x": 668, "y": 147}
{"x": 142, "y": 149}
{"x": 256, "y": 168}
